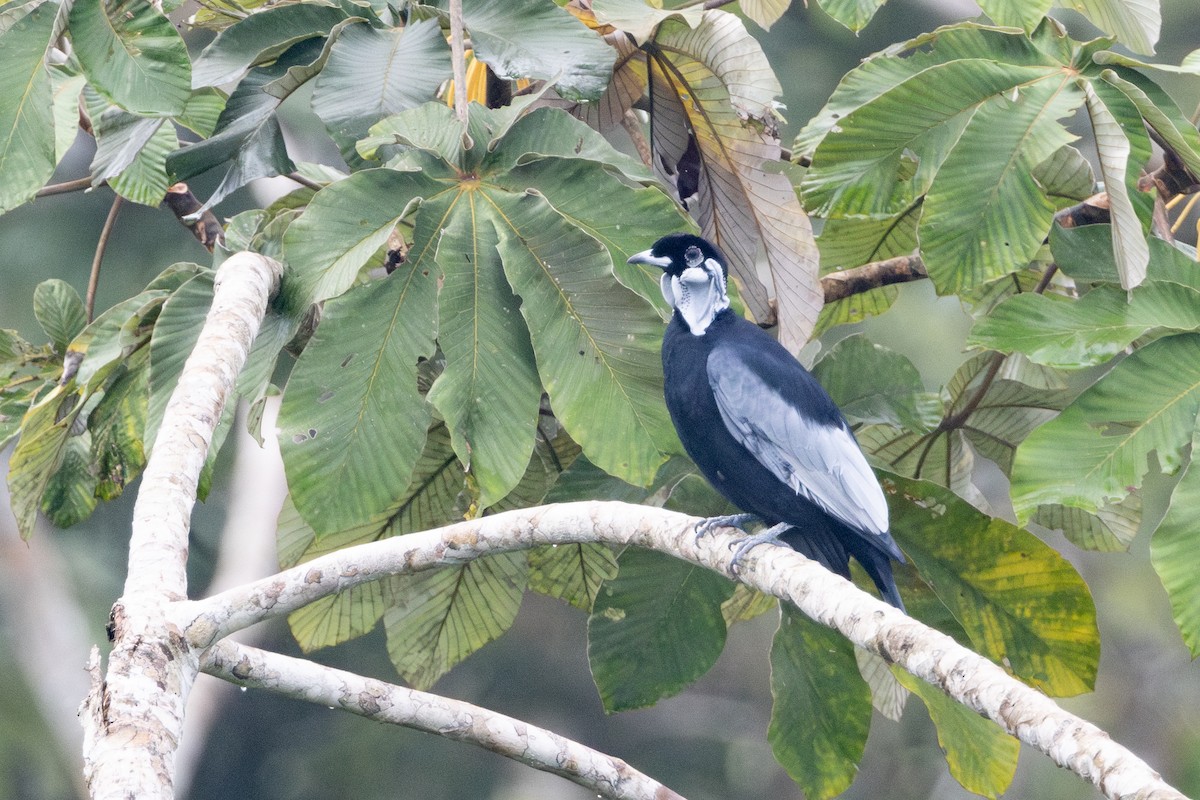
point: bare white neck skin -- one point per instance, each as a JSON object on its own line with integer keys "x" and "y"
{"x": 699, "y": 294}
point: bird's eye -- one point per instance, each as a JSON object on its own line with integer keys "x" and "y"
{"x": 692, "y": 256}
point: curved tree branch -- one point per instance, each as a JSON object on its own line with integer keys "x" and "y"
{"x": 965, "y": 676}
{"x": 133, "y": 718}
{"x": 385, "y": 702}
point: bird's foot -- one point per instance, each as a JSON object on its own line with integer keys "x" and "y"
{"x": 706, "y": 526}
{"x": 770, "y": 535}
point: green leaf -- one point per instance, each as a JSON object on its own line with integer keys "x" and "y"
{"x": 1088, "y": 331}
{"x": 352, "y": 424}
{"x": 67, "y": 89}
{"x": 981, "y": 757}
{"x": 596, "y": 343}
{"x": 767, "y": 12}
{"x": 59, "y": 311}
{"x": 822, "y": 708}
{"x": 712, "y": 95}
{"x": 1086, "y": 255}
{"x": 444, "y": 615}
{"x": 1162, "y": 115}
{"x": 854, "y": 14}
{"x": 45, "y": 430}
{"x": 132, "y": 54}
{"x": 986, "y": 216}
{"x": 489, "y": 392}
{"x": 1111, "y": 529}
{"x": 131, "y": 151}
{"x": 1066, "y": 177}
{"x": 247, "y": 136}
{"x": 372, "y": 73}
{"x": 1175, "y": 553}
{"x": 27, "y": 142}
{"x": 1135, "y": 23}
{"x": 117, "y": 425}
{"x": 435, "y": 494}
{"x": 338, "y": 617}
{"x": 639, "y": 18}
{"x": 1021, "y": 603}
{"x": 344, "y": 225}
{"x": 1027, "y": 14}
{"x": 572, "y": 572}
{"x": 538, "y": 40}
{"x": 70, "y": 495}
{"x": 1123, "y": 148}
{"x": 260, "y": 38}
{"x": 872, "y": 384}
{"x": 859, "y": 160}
{"x": 1147, "y": 403}
{"x": 654, "y": 629}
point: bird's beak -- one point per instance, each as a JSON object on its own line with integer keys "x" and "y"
{"x": 646, "y": 257}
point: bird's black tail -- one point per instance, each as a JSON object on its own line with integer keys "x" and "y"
{"x": 828, "y": 549}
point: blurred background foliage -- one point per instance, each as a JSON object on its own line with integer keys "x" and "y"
{"x": 707, "y": 742}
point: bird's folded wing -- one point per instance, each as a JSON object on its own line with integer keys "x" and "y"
{"x": 816, "y": 459}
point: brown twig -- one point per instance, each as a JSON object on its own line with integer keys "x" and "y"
{"x": 101, "y": 246}
{"x": 77, "y": 185}
{"x": 634, "y": 128}
{"x": 303, "y": 181}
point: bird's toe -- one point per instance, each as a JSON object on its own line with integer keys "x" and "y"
{"x": 706, "y": 526}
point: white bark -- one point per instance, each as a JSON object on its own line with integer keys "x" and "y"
{"x": 133, "y": 718}
{"x": 965, "y": 676}
{"x": 454, "y": 719}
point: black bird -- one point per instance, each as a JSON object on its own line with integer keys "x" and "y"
{"x": 760, "y": 427}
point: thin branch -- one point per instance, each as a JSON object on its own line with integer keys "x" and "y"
{"x": 458, "y": 60}
{"x": 396, "y": 705}
{"x": 98, "y": 258}
{"x": 849, "y": 282}
{"x": 77, "y": 185}
{"x": 303, "y": 181}
{"x": 965, "y": 676}
{"x": 633, "y": 127}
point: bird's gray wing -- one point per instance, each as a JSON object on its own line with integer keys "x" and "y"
{"x": 816, "y": 460}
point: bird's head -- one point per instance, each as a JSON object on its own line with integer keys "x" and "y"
{"x": 694, "y": 277}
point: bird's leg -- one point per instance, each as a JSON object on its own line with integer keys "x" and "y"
{"x": 770, "y": 535}
{"x": 706, "y": 526}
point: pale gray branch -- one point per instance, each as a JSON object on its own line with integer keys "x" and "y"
{"x": 133, "y": 718}
{"x": 965, "y": 676}
{"x": 385, "y": 702}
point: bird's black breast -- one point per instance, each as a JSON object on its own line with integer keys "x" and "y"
{"x": 730, "y": 468}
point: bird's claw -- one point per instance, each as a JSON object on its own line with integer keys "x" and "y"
{"x": 769, "y": 536}
{"x": 707, "y": 526}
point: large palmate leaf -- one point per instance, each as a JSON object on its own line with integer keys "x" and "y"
{"x": 638, "y": 18}
{"x": 1175, "y": 552}
{"x": 352, "y": 424}
{"x": 655, "y": 628}
{"x": 872, "y": 384}
{"x": 132, "y": 54}
{"x": 981, "y": 757}
{"x": 536, "y": 193}
{"x": 713, "y": 130}
{"x": 444, "y": 615}
{"x": 27, "y": 156}
{"x": 489, "y": 391}
{"x": 1088, "y": 331}
{"x": 1146, "y": 404}
{"x": 372, "y": 73}
{"x": 822, "y": 706}
{"x": 1021, "y": 603}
